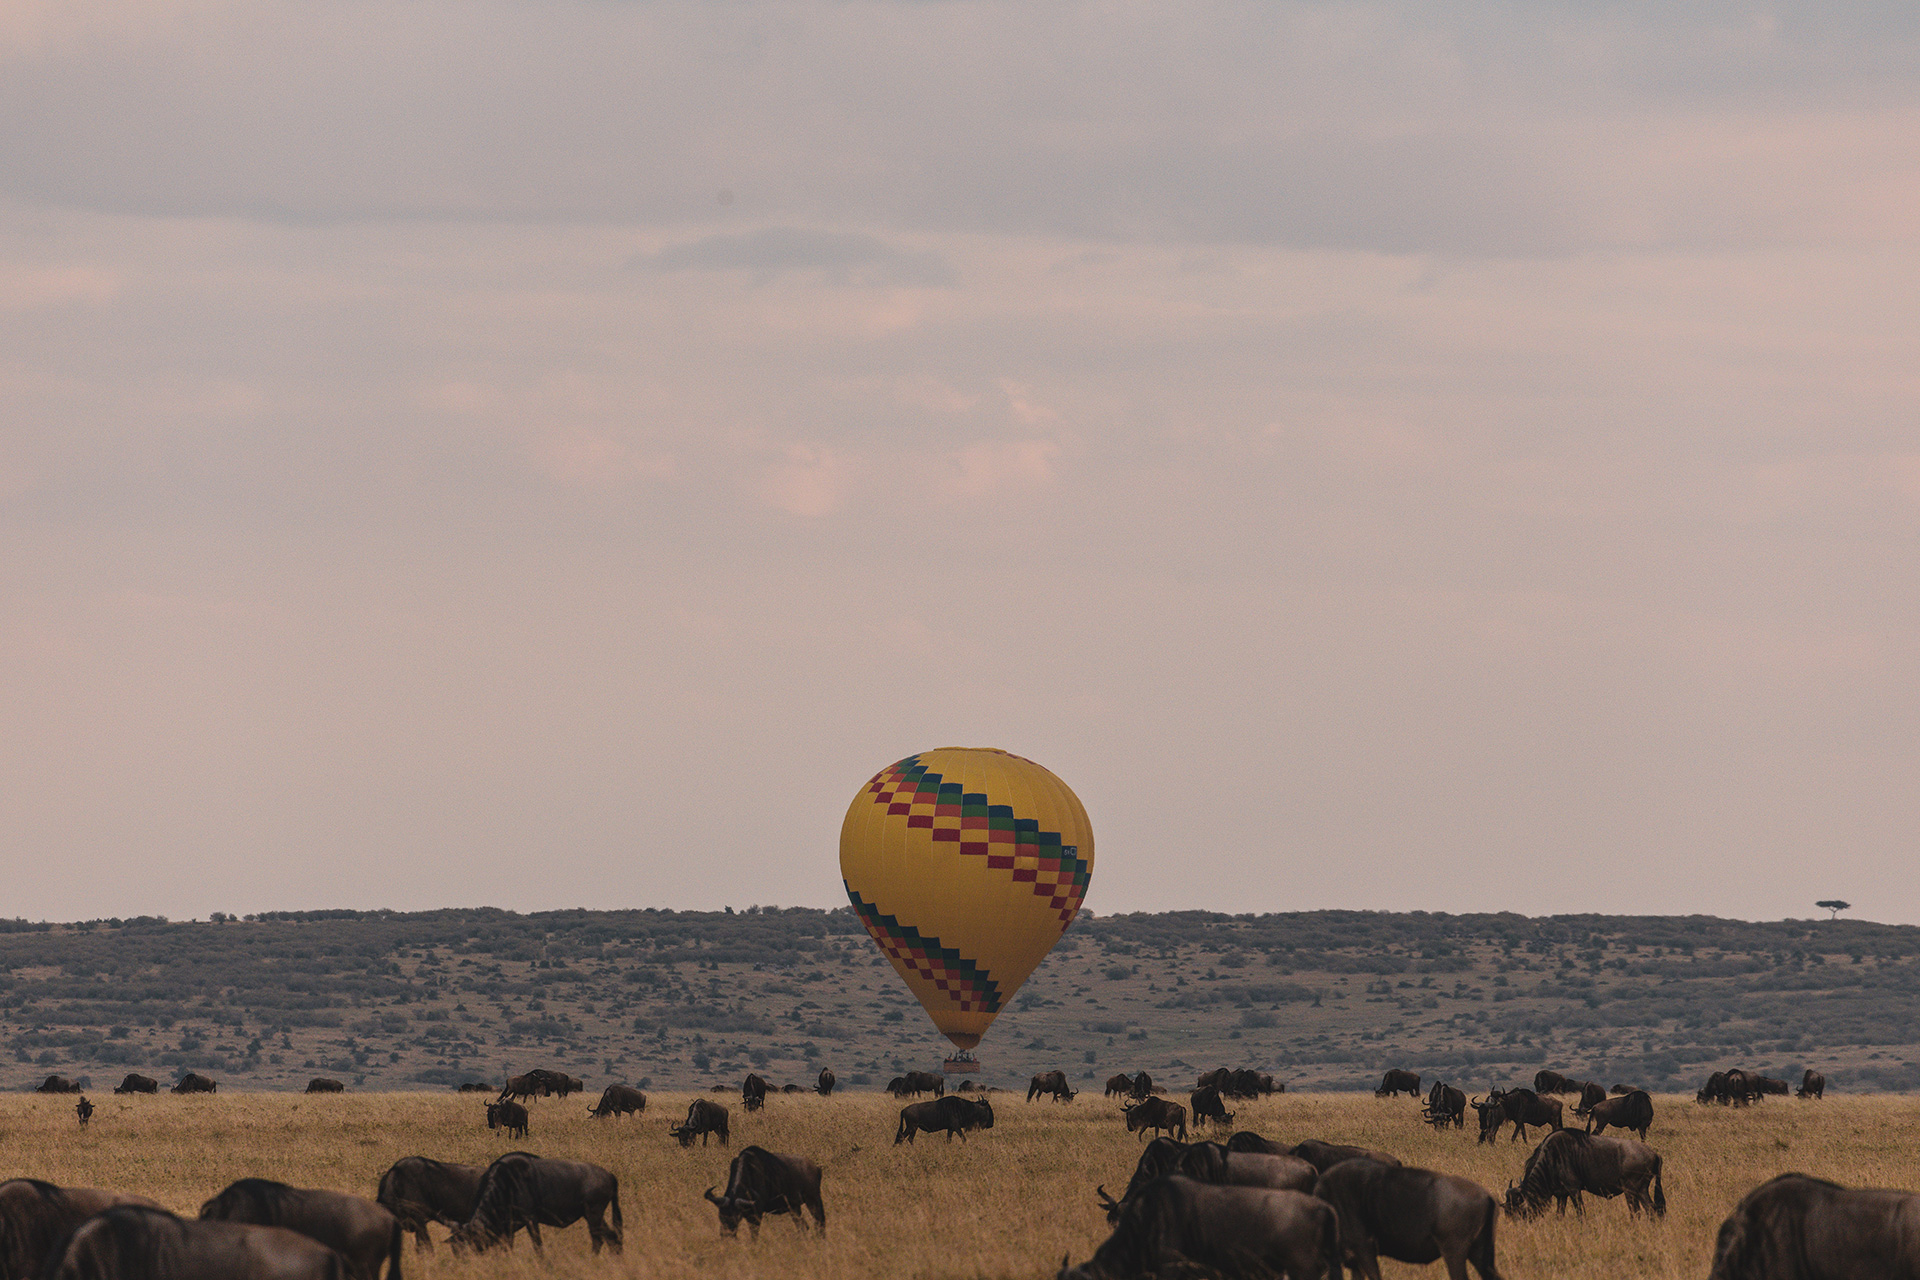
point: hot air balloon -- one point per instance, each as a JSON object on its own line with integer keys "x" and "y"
{"x": 966, "y": 865}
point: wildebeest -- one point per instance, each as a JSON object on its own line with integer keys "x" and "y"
{"x": 475, "y": 1086}
{"x": 1714, "y": 1090}
{"x": 1520, "y": 1107}
{"x": 791, "y": 1088}
{"x": 915, "y": 1083}
{"x": 564, "y": 1085}
{"x": 1156, "y": 1115}
{"x": 1590, "y": 1094}
{"x": 618, "y": 1100}
{"x": 1812, "y": 1085}
{"x": 133, "y": 1242}
{"x": 35, "y": 1216}
{"x": 703, "y": 1117}
{"x": 1799, "y": 1228}
{"x": 953, "y": 1115}
{"x": 1212, "y": 1163}
{"x": 84, "y": 1110}
{"x": 1633, "y": 1112}
{"x": 57, "y": 1084}
{"x": 194, "y": 1082}
{"x": 137, "y": 1083}
{"x": 1051, "y": 1083}
{"x": 321, "y": 1084}
{"x": 1619, "y": 1089}
{"x": 416, "y": 1191}
{"x": 1410, "y": 1215}
{"x": 1764, "y": 1085}
{"x": 359, "y": 1230}
{"x": 524, "y": 1190}
{"x": 524, "y": 1088}
{"x": 760, "y": 1182}
{"x": 1142, "y": 1085}
{"x": 1207, "y": 1105}
{"x": 1445, "y": 1105}
{"x": 1741, "y": 1088}
{"x": 824, "y": 1085}
{"x": 753, "y": 1092}
{"x": 1545, "y": 1082}
{"x": 1397, "y": 1082}
{"x": 1229, "y": 1231}
{"x": 1120, "y": 1086}
{"x": 1321, "y": 1155}
{"x": 1247, "y": 1083}
{"x": 510, "y": 1116}
{"x": 1568, "y": 1163}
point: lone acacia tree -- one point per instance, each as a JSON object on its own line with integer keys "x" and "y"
{"x": 1834, "y": 907}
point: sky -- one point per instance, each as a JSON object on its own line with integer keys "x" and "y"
{"x": 1456, "y": 455}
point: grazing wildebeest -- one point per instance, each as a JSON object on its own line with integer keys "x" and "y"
{"x": 57, "y": 1084}
{"x": 1247, "y": 1083}
{"x": 791, "y": 1088}
{"x": 1741, "y": 1088}
{"x": 524, "y": 1190}
{"x": 1446, "y": 1105}
{"x": 1519, "y": 1107}
{"x": 1799, "y": 1228}
{"x": 753, "y": 1092}
{"x": 35, "y": 1216}
{"x": 1321, "y": 1155}
{"x": 1714, "y": 1090}
{"x": 360, "y": 1231}
{"x": 1632, "y": 1112}
{"x": 1120, "y": 1086}
{"x": 1213, "y": 1079}
{"x": 1619, "y": 1089}
{"x": 565, "y": 1085}
{"x": 824, "y": 1085}
{"x": 416, "y": 1191}
{"x": 1208, "y": 1105}
{"x": 194, "y": 1082}
{"x": 1764, "y": 1085}
{"x": 1410, "y": 1215}
{"x": 1142, "y": 1085}
{"x": 475, "y": 1086}
{"x": 137, "y": 1083}
{"x": 84, "y": 1110}
{"x": 1211, "y": 1163}
{"x": 953, "y": 1115}
{"x": 133, "y": 1242}
{"x": 618, "y": 1100}
{"x": 703, "y": 1117}
{"x": 1590, "y": 1094}
{"x": 1568, "y": 1163}
{"x": 510, "y": 1116}
{"x": 1396, "y": 1082}
{"x": 1230, "y": 1231}
{"x": 1156, "y": 1115}
{"x": 1051, "y": 1083}
{"x": 321, "y": 1084}
{"x": 1812, "y": 1085}
{"x": 1545, "y": 1082}
{"x": 760, "y": 1182}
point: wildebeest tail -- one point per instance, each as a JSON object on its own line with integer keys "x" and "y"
{"x": 899, "y": 1135}
{"x": 1659, "y": 1192}
{"x": 393, "y": 1251}
{"x": 1482, "y": 1255}
{"x": 619, "y": 1223}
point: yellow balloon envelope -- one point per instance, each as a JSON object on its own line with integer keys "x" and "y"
{"x": 966, "y": 865}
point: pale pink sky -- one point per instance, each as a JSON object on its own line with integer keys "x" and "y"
{"x": 1443, "y": 455}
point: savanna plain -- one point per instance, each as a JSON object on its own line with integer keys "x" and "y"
{"x": 1007, "y": 1202}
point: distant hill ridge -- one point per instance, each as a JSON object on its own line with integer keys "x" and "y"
{"x": 680, "y": 998}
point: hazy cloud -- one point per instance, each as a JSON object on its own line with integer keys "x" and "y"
{"x": 840, "y": 257}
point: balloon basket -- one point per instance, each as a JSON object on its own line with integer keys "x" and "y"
{"x": 961, "y": 1061}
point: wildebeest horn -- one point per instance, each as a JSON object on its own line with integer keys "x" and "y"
{"x": 1106, "y": 1201}
{"x": 716, "y": 1199}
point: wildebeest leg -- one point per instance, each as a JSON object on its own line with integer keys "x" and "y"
{"x": 533, "y": 1234}
{"x": 818, "y": 1208}
{"x": 422, "y": 1242}
{"x": 1365, "y": 1261}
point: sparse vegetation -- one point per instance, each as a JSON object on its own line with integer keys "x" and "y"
{"x": 1323, "y": 999}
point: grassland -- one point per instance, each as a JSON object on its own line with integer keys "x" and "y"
{"x": 1007, "y": 1203}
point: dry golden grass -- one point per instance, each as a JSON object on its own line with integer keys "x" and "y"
{"x": 1007, "y": 1203}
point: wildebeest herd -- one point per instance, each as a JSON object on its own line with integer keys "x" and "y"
{"x": 1246, "y": 1206}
